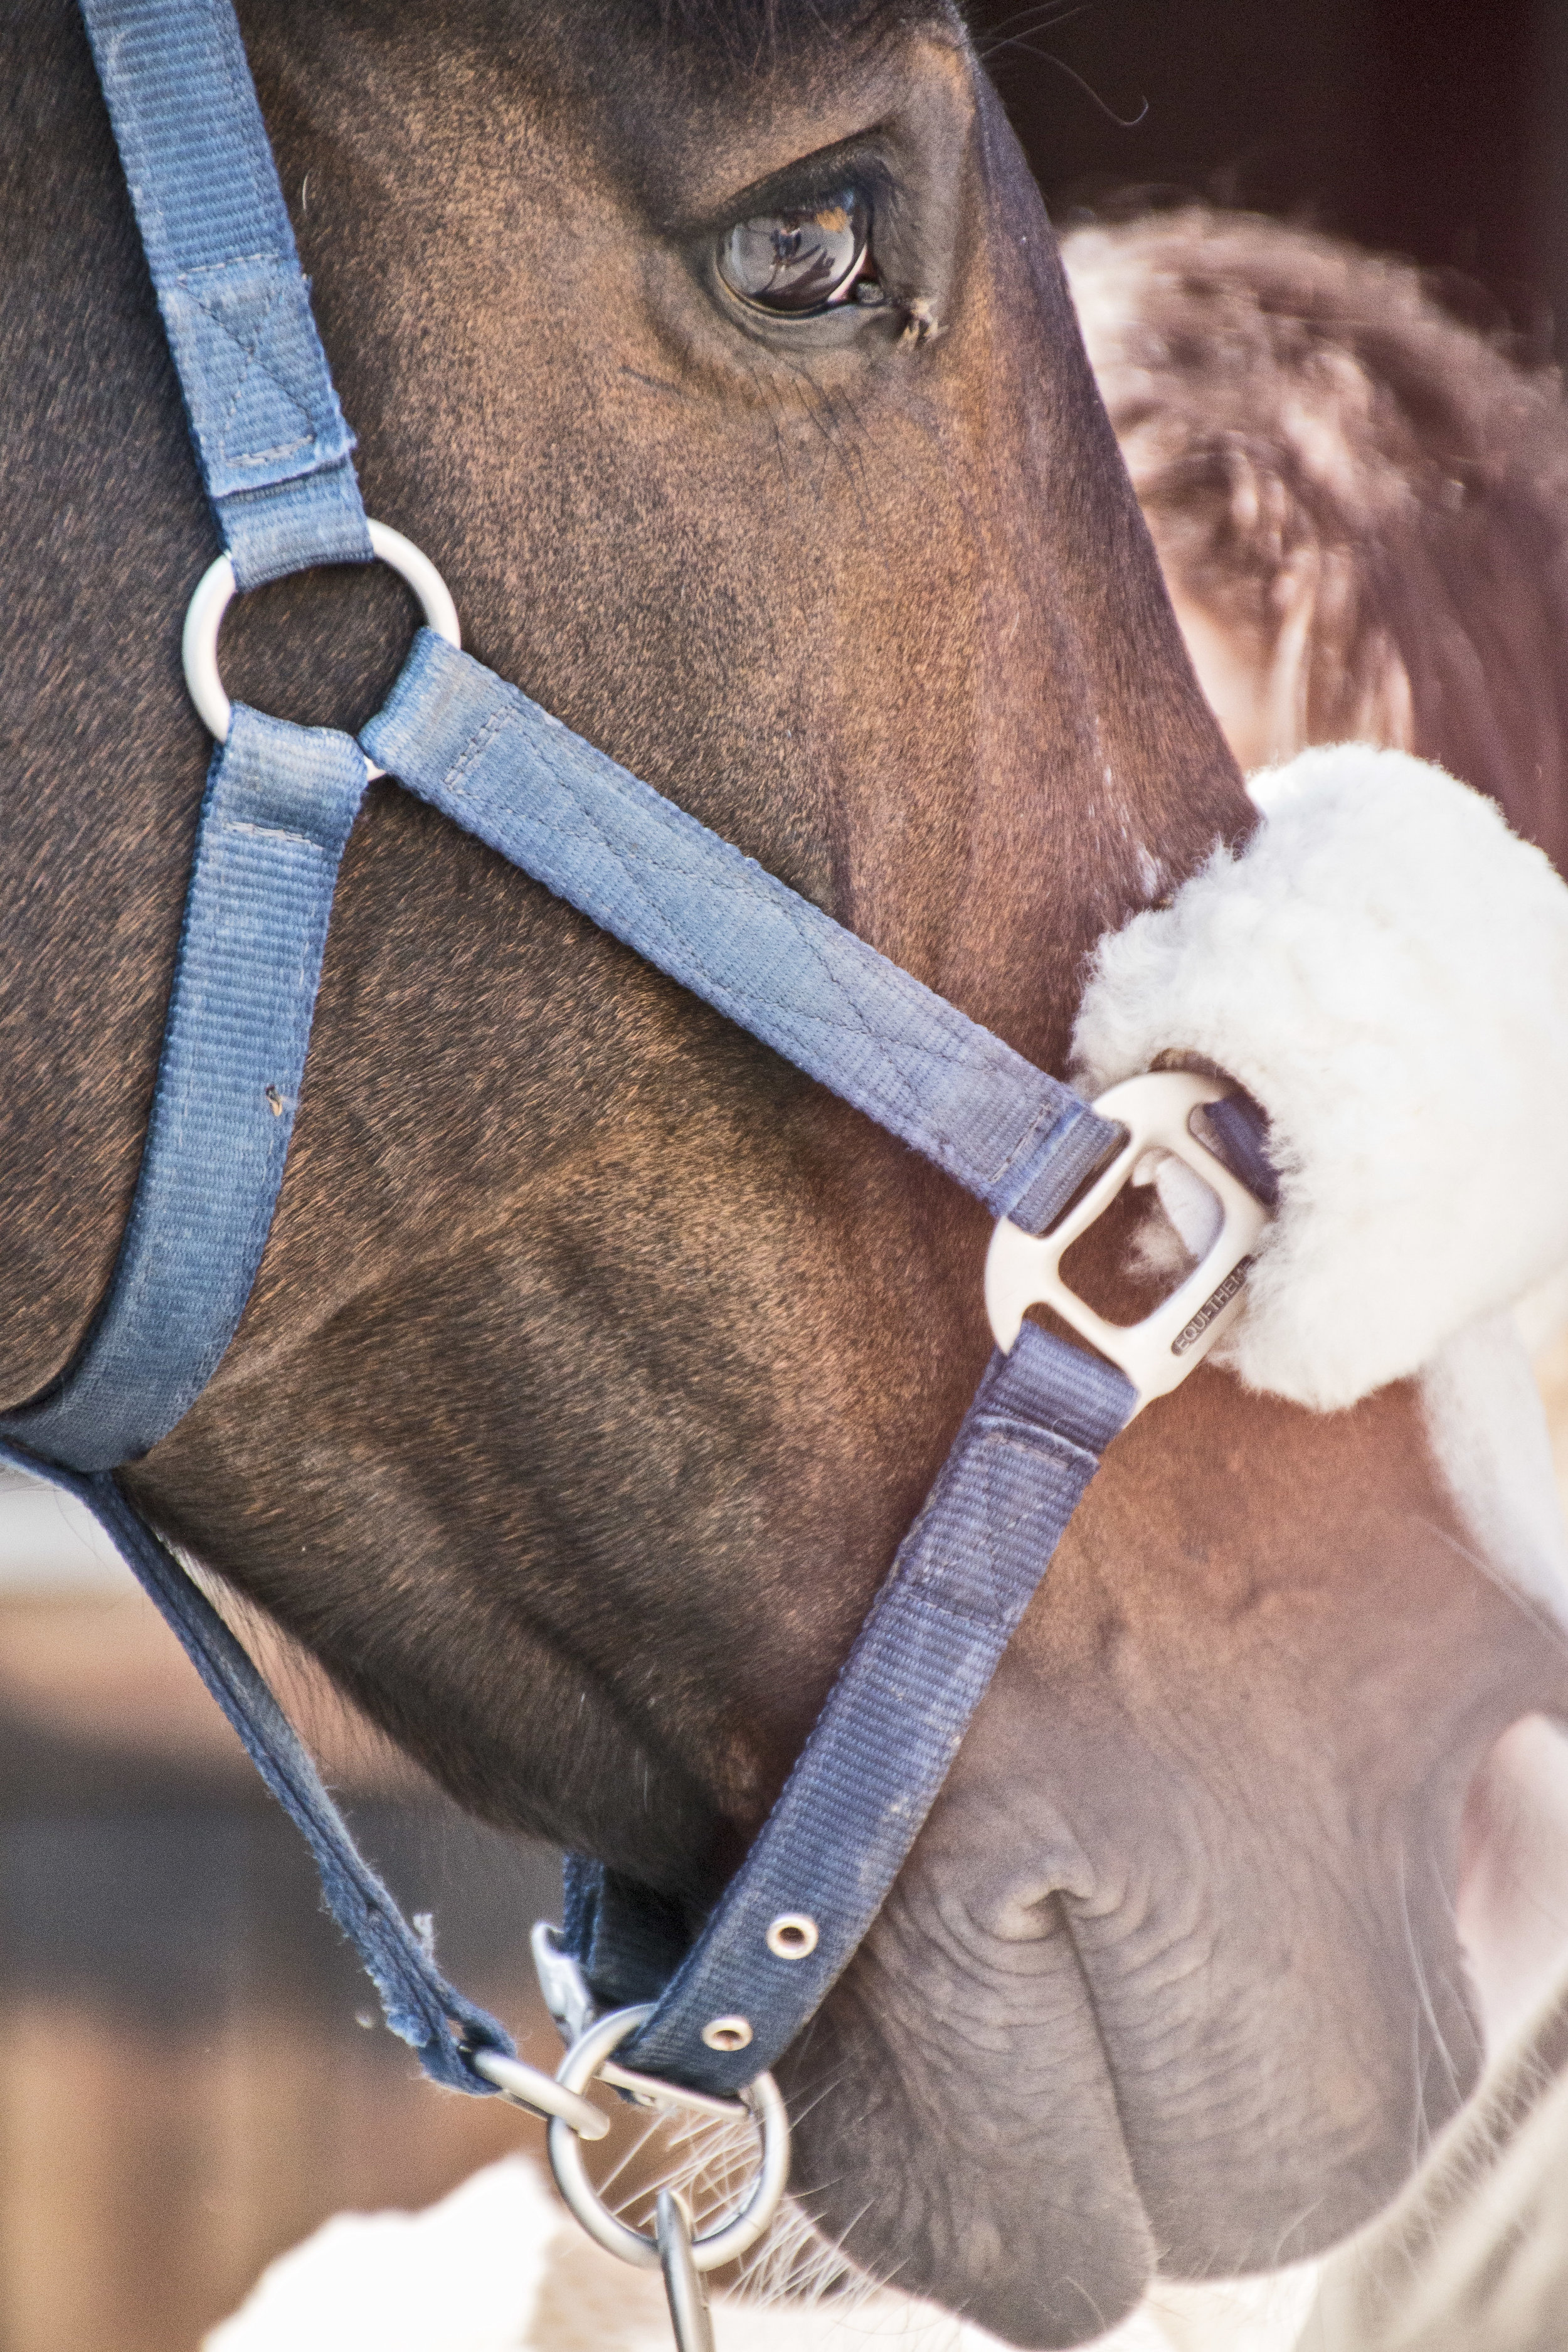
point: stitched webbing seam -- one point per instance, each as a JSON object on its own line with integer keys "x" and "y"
{"x": 738, "y": 885}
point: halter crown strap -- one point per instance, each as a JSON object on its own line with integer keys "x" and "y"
{"x": 276, "y": 458}
{"x": 275, "y": 453}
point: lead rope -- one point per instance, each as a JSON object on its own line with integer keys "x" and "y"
{"x": 697, "y": 2032}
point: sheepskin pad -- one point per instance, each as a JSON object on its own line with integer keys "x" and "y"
{"x": 498, "y": 2266}
{"x": 1384, "y": 967}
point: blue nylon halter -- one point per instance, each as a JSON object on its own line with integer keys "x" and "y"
{"x": 275, "y": 453}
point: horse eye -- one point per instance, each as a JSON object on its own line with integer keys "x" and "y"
{"x": 799, "y": 261}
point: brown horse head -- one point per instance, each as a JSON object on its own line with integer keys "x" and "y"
{"x": 598, "y": 1361}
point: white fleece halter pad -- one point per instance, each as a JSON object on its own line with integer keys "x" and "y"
{"x": 1384, "y": 967}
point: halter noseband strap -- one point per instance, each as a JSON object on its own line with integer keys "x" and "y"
{"x": 280, "y": 800}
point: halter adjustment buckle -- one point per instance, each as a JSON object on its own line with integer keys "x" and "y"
{"x": 1024, "y": 1270}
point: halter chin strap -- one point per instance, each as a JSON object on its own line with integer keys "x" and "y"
{"x": 280, "y": 801}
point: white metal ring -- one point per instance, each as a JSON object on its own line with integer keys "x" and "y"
{"x": 715, "y": 2247}
{"x": 215, "y": 591}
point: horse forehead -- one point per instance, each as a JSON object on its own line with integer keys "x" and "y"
{"x": 753, "y": 36}
{"x": 1487, "y": 1430}
{"x": 702, "y": 103}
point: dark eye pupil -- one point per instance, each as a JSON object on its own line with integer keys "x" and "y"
{"x": 798, "y": 260}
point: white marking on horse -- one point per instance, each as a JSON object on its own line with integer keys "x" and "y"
{"x": 1488, "y": 1432}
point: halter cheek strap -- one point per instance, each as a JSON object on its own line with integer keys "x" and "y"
{"x": 279, "y": 803}
{"x": 275, "y": 454}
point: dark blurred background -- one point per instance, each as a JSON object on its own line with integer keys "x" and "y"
{"x": 192, "y": 2072}
{"x": 1436, "y": 128}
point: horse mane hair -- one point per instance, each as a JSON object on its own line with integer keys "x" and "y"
{"x": 1367, "y": 494}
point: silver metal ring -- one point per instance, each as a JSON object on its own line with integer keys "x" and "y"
{"x": 715, "y": 2247}
{"x": 215, "y": 591}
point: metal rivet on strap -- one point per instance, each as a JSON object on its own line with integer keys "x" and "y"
{"x": 793, "y": 1936}
{"x": 727, "y": 2032}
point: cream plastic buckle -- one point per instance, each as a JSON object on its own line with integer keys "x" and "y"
{"x": 1024, "y": 1270}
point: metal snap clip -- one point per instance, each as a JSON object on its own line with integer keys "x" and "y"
{"x": 215, "y": 591}
{"x": 734, "y": 2236}
{"x": 688, "y": 2297}
{"x": 529, "y": 2086}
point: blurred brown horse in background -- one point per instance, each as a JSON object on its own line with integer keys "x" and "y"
{"x": 1360, "y": 500}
